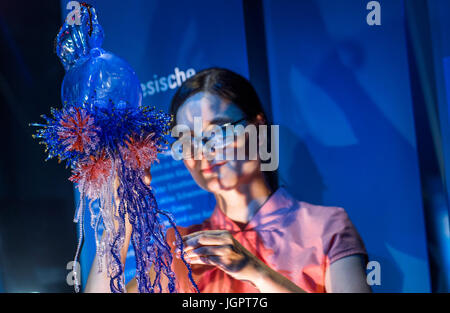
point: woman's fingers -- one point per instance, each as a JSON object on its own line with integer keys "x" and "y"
{"x": 204, "y": 232}
{"x": 217, "y": 248}
{"x": 205, "y": 250}
{"x": 205, "y": 260}
{"x": 209, "y": 251}
{"x": 213, "y": 238}
{"x": 223, "y": 257}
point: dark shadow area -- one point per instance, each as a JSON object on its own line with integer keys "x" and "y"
{"x": 37, "y": 235}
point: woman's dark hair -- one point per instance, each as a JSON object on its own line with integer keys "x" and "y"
{"x": 229, "y": 86}
{"x": 224, "y": 83}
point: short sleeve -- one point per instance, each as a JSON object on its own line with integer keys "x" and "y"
{"x": 340, "y": 237}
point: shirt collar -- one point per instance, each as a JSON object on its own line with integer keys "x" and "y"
{"x": 279, "y": 199}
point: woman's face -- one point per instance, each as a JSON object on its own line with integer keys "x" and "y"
{"x": 211, "y": 174}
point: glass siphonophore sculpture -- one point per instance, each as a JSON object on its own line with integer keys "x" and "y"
{"x": 108, "y": 139}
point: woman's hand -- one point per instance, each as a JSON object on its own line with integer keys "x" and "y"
{"x": 219, "y": 248}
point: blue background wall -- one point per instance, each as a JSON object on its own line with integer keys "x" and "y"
{"x": 340, "y": 93}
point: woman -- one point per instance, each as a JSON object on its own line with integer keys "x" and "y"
{"x": 258, "y": 239}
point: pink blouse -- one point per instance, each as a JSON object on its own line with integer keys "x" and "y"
{"x": 297, "y": 239}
